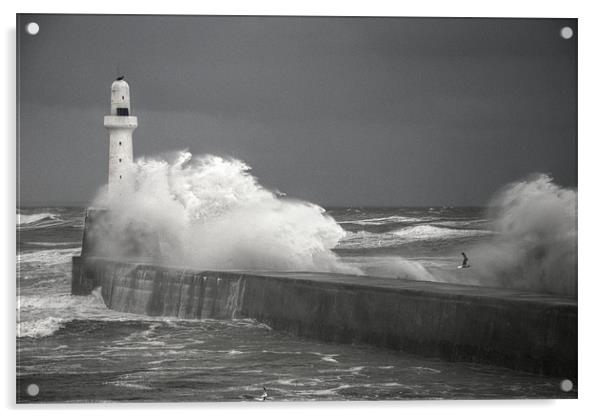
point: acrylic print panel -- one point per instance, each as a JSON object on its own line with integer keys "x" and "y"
{"x": 265, "y": 209}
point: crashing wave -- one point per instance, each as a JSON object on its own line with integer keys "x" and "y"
{"x": 210, "y": 212}
{"x": 23, "y": 219}
{"x": 535, "y": 245}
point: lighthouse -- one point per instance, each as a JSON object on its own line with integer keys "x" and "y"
{"x": 120, "y": 124}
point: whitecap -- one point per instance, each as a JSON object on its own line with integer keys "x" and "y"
{"x": 367, "y": 240}
{"x": 23, "y": 219}
{"x": 384, "y": 221}
{"x": 54, "y": 244}
{"x": 130, "y": 385}
{"x": 429, "y": 232}
{"x": 40, "y": 327}
{"x": 48, "y": 257}
{"x": 425, "y": 370}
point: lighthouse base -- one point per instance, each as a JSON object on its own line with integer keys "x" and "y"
{"x": 104, "y": 236}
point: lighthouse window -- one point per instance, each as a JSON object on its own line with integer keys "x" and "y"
{"x": 120, "y": 176}
{"x": 123, "y": 111}
{"x": 119, "y": 143}
{"x": 120, "y": 160}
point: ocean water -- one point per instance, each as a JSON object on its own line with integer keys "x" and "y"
{"x": 76, "y": 350}
{"x": 411, "y": 242}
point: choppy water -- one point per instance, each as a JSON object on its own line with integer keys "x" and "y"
{"x": 74, "y": 349}
{"x": 390, "y": 241}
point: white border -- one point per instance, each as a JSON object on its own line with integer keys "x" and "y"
{"x": 590, "y": 207}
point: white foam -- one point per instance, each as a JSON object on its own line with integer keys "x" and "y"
{"x": 283, "y": 352}
{"x": 384, "y": 221}
{"x": 352, "y": 370}
{"x": 425, "y": 370}
{"x": 129, "y": 385}
{"x": 429, "y": 232}
{"x": 48, "y": 257}
{"x": 298, "y": 382}
{"x": 394, "y": 267}
{"x": 23, "y": 219}
{"x": 327, "y": 357}
{"x": 42, "y": 315}
{"x": 365, "y": 239}
{"x": 40, "y": 327}
{"x": 54, "y": 244}
{"x": 536, "y": 241}
{"x": 61, "y": 305}
{"x": 211, "y": 213}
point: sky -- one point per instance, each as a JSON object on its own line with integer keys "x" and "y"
{"x": 337, "y": 111}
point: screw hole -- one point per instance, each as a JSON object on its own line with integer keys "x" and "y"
{"x": 566, "y": 385}
{"x": 33, "y": 389}
{"x": 566, "y": 32}
{"x": 32, "y": 28}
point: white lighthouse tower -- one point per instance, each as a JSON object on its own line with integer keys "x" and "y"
{"x": 120, "y": 125}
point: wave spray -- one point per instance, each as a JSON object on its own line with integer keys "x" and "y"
{"x": 535, "y": 242}
{"x": 209, "y": 212}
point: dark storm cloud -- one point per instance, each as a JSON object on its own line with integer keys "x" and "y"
{"x": 379, "y": 111}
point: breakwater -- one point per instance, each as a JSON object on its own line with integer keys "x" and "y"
{"x": 510, "y": 328}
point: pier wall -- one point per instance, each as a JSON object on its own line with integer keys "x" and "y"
{"x": 518, "y": 330}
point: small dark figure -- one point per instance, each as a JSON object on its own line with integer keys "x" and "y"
{"x": 264, "y": 397}
{"x": 465, "y": 261}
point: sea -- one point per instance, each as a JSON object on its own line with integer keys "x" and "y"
{"x": 74, "y": 349}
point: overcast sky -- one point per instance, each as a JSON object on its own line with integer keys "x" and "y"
{"x": 338, "y": 111}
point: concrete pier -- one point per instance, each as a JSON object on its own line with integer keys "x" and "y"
{"x": 509, "y": 328}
